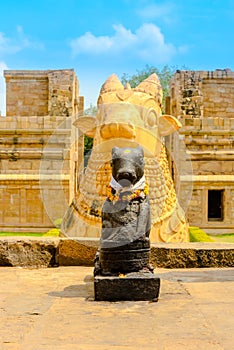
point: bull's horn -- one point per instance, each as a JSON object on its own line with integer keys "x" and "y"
{"x": 111, "y": 84}
{"x": 151, "y": 86}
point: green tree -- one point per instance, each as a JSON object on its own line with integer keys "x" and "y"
{"x": 88, "y": 144}
{"x": 164, "y": 75}
{"x": 91, "y": 110}
{"x": 88, "y": 141}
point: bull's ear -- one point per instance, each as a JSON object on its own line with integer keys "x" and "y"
{"x": 86, "y": 124}
{"x": 114, "y": 151}
{"x": 168, "y": 124}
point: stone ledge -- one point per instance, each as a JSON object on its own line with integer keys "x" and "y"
{"x": 51, "y": 252}
{"x": 206, "y": 178}
{"x": 192, "y": 255}
{"x": 34, "y": 177}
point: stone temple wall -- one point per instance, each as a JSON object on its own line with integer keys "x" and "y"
{"x": 40, "y": 151}
{"x": 203, "y": 149}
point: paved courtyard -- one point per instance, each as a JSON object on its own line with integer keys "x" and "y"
{"x": 53, "y": 308}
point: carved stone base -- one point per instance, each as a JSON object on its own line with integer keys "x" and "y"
{"x": 126, "y": 258}
{"x": 134, "y": 286}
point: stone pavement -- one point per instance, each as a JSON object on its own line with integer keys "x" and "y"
{"x": 53, "y": 308}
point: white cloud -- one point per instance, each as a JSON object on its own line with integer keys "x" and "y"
{"x": 152, "y": 44}
{"x": 89, "y": 43}
{"x": 12, "y": 45}
{"x": 163, "y": 11}
{"x": 3, "y": 66}
{"x": 147, "y": 42}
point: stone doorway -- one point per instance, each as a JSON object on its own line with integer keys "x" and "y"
{"x": 215, "y": 205}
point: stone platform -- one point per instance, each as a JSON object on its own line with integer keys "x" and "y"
{"x": 133, "y": 286}
{"x": 53, "y": 308}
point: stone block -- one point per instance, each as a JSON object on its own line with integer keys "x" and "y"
{"x": 189, "y": 122}
{"x": 192, "y": 255}
{"x": 134, "y": 286}
{"x": 197, "y": 122}
{"x": 73, "y": 252}
{"x": 28, "y": 252}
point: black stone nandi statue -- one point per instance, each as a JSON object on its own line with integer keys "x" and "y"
{"x": 124, "y": 245}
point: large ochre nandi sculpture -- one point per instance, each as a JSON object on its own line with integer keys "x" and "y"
{"x": 128, "y": 117}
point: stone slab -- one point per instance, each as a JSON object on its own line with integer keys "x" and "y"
{"x": 133, "y": 286}
{"x": 51, "y": 251}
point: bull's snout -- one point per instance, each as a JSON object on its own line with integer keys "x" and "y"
{"x": 114, "y": 129}
{"x": 126, "y": 178}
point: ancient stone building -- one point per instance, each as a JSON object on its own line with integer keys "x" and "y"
{"x": 40, "y": 151}
{"x": 202, "y": 152}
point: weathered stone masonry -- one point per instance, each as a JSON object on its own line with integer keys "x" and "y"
{"x": 40, "y": 152}
{"x": 204, "y": 103}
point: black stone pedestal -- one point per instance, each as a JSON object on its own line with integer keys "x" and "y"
{"x": 133, "y": 286}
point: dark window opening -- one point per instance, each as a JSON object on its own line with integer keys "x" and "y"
{"x": 215, "y": 205}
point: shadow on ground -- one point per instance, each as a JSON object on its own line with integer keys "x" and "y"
{"x": 84, "y": 290}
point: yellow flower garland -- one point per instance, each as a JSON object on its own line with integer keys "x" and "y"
{"x": 138, "y": 193}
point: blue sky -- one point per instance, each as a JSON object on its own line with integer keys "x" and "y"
{"x": 101, "y": 37}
